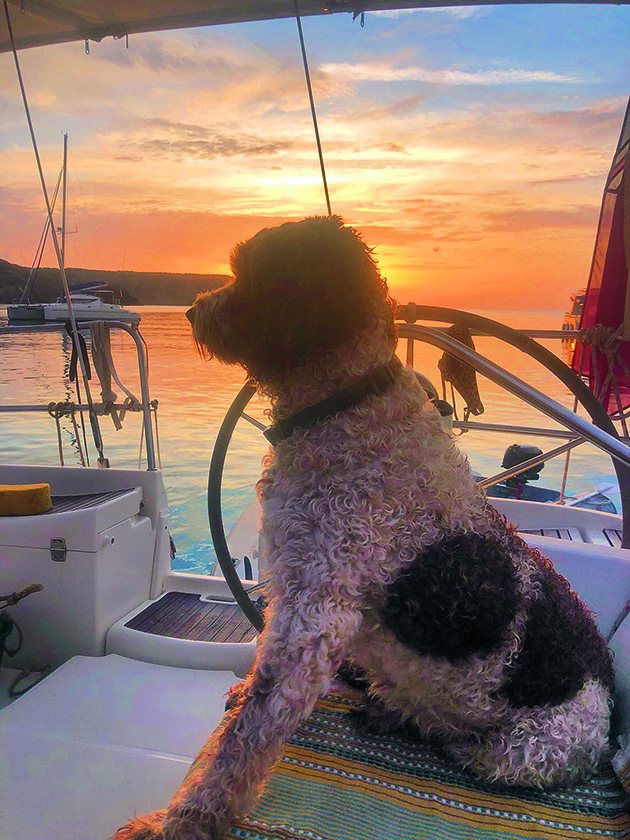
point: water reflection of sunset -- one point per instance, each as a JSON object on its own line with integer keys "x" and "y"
{"x": 194, "y": 394}
{"x": 470, "y": 149}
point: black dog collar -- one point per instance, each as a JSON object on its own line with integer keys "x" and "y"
{"x": 376, "y": 382}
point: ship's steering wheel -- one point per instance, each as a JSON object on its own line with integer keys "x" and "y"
{"x": 215, "y": 513}
{"x": 424, "y": 313}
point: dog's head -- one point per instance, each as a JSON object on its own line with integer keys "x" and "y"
{"x": 300, "y": 291}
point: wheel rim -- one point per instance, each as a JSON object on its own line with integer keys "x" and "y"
{"x": 215, "y": 514}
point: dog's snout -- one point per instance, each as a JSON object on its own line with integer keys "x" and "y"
{"x": 190, "y": 314}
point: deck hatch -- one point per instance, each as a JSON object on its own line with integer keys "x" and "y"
{"x": 182, "y": 615}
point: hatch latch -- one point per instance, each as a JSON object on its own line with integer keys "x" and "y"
{"x": 58, "y": 549}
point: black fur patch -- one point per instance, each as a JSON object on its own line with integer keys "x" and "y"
{"x": 562, "y": 647}
{"x": 456, "y": 599}
{"x": 353, "y": 676}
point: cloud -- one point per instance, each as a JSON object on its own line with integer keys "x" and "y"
{"x": 175, "y": 54}
{"x": 459, "y": 12}
{"x": 178, "y": 128}
{"x": 218, "y": 146}
{"x": 184, "y": 71}
{"x": 396, "y": 148}
{"x": 373, "y": 112}
{"x": 530, "y": 220}
{"x": 171, "y": 139}
{"x": 602, "y": 116}
{"x": 393, "y": 13}
{"x": 382, "y": 72}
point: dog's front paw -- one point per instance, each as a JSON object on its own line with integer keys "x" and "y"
{"x": 148, "y": 827}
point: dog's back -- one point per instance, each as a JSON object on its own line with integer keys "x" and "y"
{"x": 467, "y": 631}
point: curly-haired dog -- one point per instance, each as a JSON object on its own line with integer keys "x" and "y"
{"x": 382, "y": 550}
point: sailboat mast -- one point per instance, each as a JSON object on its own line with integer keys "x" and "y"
{"x": 63, "y": 200}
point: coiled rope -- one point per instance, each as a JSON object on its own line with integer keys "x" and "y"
{"x": 607, "y": 341}
{"x": 10, "y": 601}
{"x": 57, "y": 410}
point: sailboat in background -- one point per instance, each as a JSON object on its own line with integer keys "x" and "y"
{"x": 90, "y": 301}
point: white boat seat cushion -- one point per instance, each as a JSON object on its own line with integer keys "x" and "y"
{"x": 98, "y": 740}
{"x": 602, "y": 580}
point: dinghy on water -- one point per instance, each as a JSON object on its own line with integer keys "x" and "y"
{"x": 143, "y": 655}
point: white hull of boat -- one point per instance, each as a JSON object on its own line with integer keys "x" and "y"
{"x": 29, "y": 312}
{"x": 88, "y": 312}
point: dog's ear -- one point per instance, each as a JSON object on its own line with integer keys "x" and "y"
{"x": 301, "y": 291}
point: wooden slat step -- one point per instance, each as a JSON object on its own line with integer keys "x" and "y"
{"x": 183, "y": 615}
{"x": 572, "y": 534}
{"x": 613, "y": 536}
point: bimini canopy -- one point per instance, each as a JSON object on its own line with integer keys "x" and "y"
{"x": 39, "y": 22}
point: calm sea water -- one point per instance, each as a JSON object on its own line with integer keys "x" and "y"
{"x": 194, "y": 395}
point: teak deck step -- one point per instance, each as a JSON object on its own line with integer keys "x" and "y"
{"x": 183, "y": 615}
{"x": 572, "y": 534}
{"x": 613, "y": 536}
{"x": 608, "y": 536}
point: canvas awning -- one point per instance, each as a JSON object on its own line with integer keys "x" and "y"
{"x": 39, "y": 22}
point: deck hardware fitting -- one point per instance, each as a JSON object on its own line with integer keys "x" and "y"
{"x": 58, "y": 550}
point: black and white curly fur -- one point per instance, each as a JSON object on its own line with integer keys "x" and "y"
{"x": 383, "y": 552}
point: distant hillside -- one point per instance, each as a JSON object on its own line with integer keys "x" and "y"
{"x": 137, "y": 287}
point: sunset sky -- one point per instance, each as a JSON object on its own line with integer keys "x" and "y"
{"x": 470, "y": 146}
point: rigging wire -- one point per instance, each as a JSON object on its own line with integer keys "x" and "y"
{"x": 96, "y": 432}
{"x": 312, "y": 101}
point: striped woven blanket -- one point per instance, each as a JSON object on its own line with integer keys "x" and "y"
{"x": 334, "y": 783}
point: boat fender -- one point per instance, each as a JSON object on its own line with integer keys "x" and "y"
{"x": 24, "y": 499}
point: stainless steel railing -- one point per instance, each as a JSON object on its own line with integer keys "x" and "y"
{"x": 141, "y": 349}
{"x": 614, "y": 447}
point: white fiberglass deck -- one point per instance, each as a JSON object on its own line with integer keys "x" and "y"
{"x": 98, "y": 740}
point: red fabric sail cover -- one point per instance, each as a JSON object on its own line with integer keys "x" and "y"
{"x": 606, "y": 292}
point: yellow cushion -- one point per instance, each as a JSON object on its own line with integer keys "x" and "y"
{"x": 24, "y": 499}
